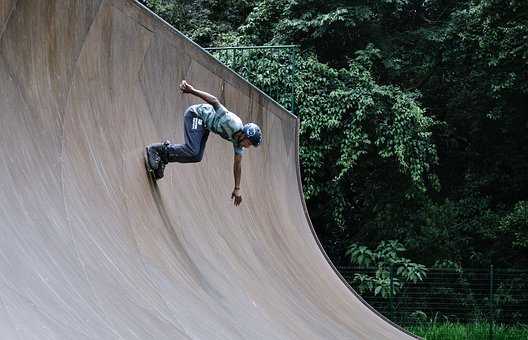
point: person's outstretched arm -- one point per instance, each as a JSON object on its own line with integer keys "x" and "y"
{"x": 237, "y": 173}
{"x": 207, "y": 97}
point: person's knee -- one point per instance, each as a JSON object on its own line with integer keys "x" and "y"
{"x": 197, "y": 158}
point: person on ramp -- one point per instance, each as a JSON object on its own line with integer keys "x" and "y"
{"x": 199, "y": 120}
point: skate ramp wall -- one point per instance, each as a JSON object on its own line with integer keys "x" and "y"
{"x": 90, "y": 248}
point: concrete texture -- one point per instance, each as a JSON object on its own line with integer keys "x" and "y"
{"x": 91, "y": 249}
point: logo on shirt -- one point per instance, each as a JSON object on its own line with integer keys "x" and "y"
{"x": 196, "y": 122}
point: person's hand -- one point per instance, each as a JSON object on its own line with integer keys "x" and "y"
{"x": 237, "y": 197}
{"x": 185, "y": 87}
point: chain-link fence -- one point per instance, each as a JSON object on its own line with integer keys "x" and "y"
{"x": 491, "y": 295}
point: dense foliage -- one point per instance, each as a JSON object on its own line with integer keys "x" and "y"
{"x": 413, "y": 116}
{"x": 392, "y": 270}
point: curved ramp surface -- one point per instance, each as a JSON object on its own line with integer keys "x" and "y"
{"x": 91, "y": 249}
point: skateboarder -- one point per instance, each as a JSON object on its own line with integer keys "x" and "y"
{"x": 198, "y": 121}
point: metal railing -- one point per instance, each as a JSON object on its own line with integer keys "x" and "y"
{"x": 491, "y": 295}
{"x": 271, "y": 68}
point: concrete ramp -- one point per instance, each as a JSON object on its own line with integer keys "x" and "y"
{"x": 91, "y": 249}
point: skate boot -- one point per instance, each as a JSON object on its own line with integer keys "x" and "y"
{"x": 157, "y": 157}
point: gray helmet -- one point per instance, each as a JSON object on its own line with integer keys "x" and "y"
{"x": 253, "y": 133}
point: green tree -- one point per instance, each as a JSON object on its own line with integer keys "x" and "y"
{"x": 392, "y": 270}
{"x": 413, "y": 115}
{"x": 515, "y": 225}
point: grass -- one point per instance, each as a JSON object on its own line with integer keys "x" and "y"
{"x": 477, "y": 331}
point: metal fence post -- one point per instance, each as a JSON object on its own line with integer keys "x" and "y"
{"x": 491, "y": 305}
{"x": 293, "y": 57}
{"x": 391, "y": 292}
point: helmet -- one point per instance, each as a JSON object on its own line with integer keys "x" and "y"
{"x": 253, "y": 133}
